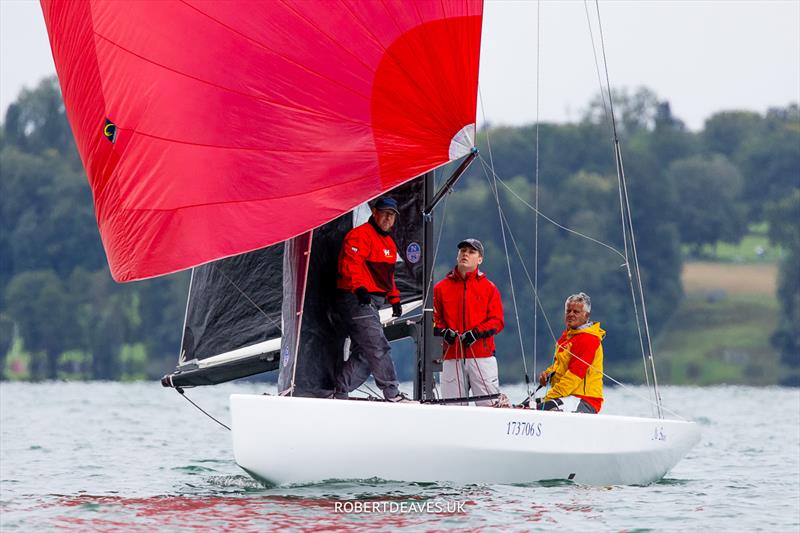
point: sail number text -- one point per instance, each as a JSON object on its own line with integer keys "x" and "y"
{"x": 524, "y": 429}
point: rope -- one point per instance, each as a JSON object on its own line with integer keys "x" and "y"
{"x": 429, "y": 283}
{"x": 536, "y": 201}
{"x": 556, "y": 224}
{"x": 612, "y": 130}
{"x": 555, "y": 340}
{"x": 182, "y": 393}
{"x": 624, "y": 191}
{"x": 505, "y": 248}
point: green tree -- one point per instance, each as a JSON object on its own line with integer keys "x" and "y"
{"x": 42, "y": 309}
{"x": 771, "y": 163}
{"x": 708, "y": 208}
{"x": 728, "y": 132}
{"x": 36, "y": 121}
{"x": 784, "y": 229}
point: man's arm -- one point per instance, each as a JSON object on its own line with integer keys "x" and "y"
{"x": 583, "y": 348}
{"x": 354, "y": 253}
{"x": 493, "y": 323}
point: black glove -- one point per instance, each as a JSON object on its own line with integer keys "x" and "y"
{"x": 397, "y": 309}
{"x": 450, "y": 336}
{"x": 469, "y": 338}
{"x": 363, "y": 296}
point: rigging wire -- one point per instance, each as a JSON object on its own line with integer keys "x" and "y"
{"x": 536, "y": 199}
{"x": 182, "y": 393}
{"x": 508, "y": 258}
{"x": 555, "y": 339}
{"x": 429, "y": 281}
{"x": 555, "y": 223}
{"x": 611, "y": 122}
{"x": 624, "y": 192}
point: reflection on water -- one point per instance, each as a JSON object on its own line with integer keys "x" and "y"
{"x": 133, "y": 457}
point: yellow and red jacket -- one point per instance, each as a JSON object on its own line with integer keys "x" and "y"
{"x": 463, "y": 304}
{"x": 578, "y": 365}
{"x": 367, "y": 260}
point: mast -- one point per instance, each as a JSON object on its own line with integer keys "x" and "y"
{"x": 426, "y": 344}
{"x": 423, "y": 377}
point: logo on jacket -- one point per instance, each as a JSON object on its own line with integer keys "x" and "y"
{"x": 413, "y": 252}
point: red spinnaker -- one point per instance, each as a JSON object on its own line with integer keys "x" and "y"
{"x": 209, "y": 129}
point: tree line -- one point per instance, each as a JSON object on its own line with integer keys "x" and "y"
{"x": 687, "y": 189}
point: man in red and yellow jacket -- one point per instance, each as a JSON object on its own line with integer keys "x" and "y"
{"x": 468, "y": 313}
{"x": 576, "y": 375}
{"x": 365, "y": 281}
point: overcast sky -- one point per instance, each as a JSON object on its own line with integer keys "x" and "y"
{"x": 701, "y": 56}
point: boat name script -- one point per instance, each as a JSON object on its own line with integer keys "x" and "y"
{"x": 524, "y": 429}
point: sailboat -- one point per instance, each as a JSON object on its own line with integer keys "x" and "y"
{"x": 243, "y": 140}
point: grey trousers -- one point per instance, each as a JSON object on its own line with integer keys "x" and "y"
{"x": 370, "y": 352}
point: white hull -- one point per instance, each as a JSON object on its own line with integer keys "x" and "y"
{"x": 301, "y": 440}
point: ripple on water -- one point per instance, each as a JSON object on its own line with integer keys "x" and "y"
{"x": 119, "y": 484}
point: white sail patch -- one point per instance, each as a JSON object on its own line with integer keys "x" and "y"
{"x": 462, "y": 142}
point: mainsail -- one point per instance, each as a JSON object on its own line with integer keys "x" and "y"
{"x": 211, "y": 129}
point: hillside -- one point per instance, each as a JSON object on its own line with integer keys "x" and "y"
{"x": 721, "y": 330}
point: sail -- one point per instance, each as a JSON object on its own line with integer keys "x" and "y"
{"x": 232, "y": 327}
{"x": 314, "y": 339}
{"x": 211, "y": 129}
{"x": 267, "y": 309}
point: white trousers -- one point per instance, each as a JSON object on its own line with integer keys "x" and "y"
{"x": 476, "y": 375}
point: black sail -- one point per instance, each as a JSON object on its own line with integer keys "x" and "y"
{"x": 244, "y": 315}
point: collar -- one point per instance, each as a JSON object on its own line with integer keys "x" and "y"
{"x": 378, "y": 228}
{"x": 475, "y": 274}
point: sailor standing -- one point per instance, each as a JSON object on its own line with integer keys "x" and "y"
{"x": 468, "y": 313}
{"x": 365, "y": 281}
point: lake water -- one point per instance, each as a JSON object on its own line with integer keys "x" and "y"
{"x": 136, "y": 457}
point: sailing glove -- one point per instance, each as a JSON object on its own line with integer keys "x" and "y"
{"x": 363, "y": 296}
{"x": 469, "y": 338}
{"x": 397, "y": 309}
{"x": 449, "y": 335}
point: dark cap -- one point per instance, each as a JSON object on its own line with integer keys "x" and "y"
{"x": 386, "y": 202}
{"x": 472, "y": 243}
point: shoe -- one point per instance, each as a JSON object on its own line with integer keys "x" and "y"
{"x": 401, "y": 398}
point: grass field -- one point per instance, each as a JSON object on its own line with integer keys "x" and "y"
{"x": 720, "y": 332}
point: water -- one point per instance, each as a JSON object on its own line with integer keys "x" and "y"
{"x": 136, "y": 457}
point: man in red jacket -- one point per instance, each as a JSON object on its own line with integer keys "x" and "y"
{"x": 468, "y": 313}
{"x": 366, "y": 280}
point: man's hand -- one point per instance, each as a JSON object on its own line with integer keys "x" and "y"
{"x": 450, "y": 336}
{"x": 397, "y": 309}
{"x": 363, "y": 296}
{"x": 543, "y": 377}
{"x": 469, "y": 338}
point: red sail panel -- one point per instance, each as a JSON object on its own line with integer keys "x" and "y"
{"x": 209, "y": 129}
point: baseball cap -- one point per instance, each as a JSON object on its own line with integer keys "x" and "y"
{"x": 387, "y": 202}
{"x": 472, "y": 243}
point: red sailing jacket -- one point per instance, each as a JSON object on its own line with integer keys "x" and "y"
{"x": 465, "y": 304}
{"x": 367, "y": 260}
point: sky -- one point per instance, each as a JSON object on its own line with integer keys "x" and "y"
{"x": 701, "y": 56}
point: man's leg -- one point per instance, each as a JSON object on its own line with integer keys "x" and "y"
{"x": 482, "y": 372}
{"x": 454, "y": 381}
{"x": 366, "y": 335}
{"x": 355, "y": 371}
